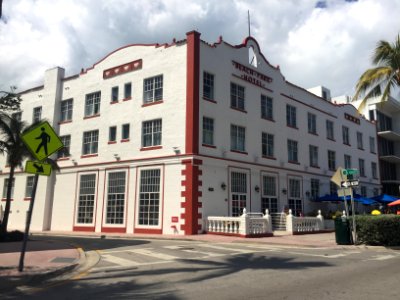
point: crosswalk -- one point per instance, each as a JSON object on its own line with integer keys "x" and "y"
{"x": 137, "y": 257}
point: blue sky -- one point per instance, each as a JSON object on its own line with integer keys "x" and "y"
{"x": 314, "y": 44}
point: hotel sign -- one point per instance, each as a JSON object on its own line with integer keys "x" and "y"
{"x": 251, "y": 75}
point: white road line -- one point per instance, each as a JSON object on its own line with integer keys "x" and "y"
{"x": 382, "y": 257}
{"x": 119, "y": 261}
{"x": 159, "y": 255}
{"x": 229, "y": 249}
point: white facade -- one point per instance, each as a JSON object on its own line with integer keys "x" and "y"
{"x": 194, "y": 147}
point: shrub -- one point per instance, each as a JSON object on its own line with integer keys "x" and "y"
{"x": 381, "y": 230}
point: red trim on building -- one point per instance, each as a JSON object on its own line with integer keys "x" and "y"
{"x": 151, "y": 148}
{"x": 191, "y": 194}
{"x": 113, "y": 229}
{"x": 152, "y": 103}
{"x": 84, "y": 228}
{"x": 91, "y": 117}
{"x": 192, "y": 92}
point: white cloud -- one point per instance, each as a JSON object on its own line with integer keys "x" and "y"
{"x": 330, "y": 46}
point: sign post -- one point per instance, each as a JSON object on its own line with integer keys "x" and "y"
{"x": 41, "y": 141}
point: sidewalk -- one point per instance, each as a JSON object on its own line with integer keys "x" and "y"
{"x": 45, "y": 259}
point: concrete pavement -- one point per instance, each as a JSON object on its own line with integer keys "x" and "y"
{"x": 47, "y": 259}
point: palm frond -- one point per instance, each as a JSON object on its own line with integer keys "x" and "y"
{"x": 370, "y": 79}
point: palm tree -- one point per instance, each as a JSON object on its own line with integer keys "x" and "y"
{"x": 11, "y": 144}
{"x": 381, "y": 80}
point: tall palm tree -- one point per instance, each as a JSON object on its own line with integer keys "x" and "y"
{"x": 381, "y": 80}
{"x": 11, "y": 144}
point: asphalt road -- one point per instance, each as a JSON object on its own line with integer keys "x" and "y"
{"x": 174, "y": 269}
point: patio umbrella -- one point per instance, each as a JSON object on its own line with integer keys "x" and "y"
{"x": 397, "y": 202}
{"x": 356, "y": 197}
{"x": 384, "y": 198}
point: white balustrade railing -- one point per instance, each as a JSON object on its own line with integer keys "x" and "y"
{"x": 304, "y": 224}
{"x": 245, "y": 225}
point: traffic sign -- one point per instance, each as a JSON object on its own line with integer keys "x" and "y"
{"x": 349, "y": 174}
{"x": 42, "y": 141}
{"x": 354, "y": 183}
{"x": 343, "y": 192}
{"x": 345, "y": 184}
{"x": 35, "y": 167}
{"x": 337, "y": 177}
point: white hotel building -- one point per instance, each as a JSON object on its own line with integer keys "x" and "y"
{"x": 159, "y": 137}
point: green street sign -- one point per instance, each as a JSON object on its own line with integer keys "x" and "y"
{"x": 35, "y": 167}
{"x": 42, "y": 141}
{"x": 349, "y": 171}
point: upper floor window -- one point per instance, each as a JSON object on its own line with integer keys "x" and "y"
{"x": 312, "y": 123}
{"x": 329, "y": 130}
{"x": 238, "y": 138}
{"x": 5, "y": 187}
{"x": 360, "y": 144}
{"x": 347, "y": 161}
{"x": 64, "y": 152}
{"x": 384, "y": 122}
{"x": 151, "y": 133}
{"x": 153, "y": 89}
{"x": 361, "y": 166}
{"x": 267, "y": 108}
{"x": 112, "y": 134}
{"x": 127, "y": 91}
{"x": 66, "y": 110}
{"x": 37, "y": 114}
{"x": 90, "y": 142}
{"x": 331, "y": 160}
{"x": 114, "y": 94}
{"x": 267, "y": 144}
{"x": 208, "y": 86}
{"x": 345, "y": 134}
{"x": 372, "y": 144}
{"x": 237, "y": 96}
{"x": 92, "y": 104}
{"x": 374, "y": 170}
{"x": 291, "y": 116}
{"x": 29, "y": 186}
{"x": 313, "y": 156}
{"x": 292, "y": 151}
{"x": 208, "y": 131}
{"x": 125, "y": 131}
{"x": 314, "y": 188}
{"x": 17, "y": 116}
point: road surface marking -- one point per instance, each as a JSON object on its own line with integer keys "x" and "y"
{"x": 119, "y": 261}
{"x": 382, "y": 257}
{"x": 159, "y": 255}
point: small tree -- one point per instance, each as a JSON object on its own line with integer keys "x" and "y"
{"x": 10, "y": 101}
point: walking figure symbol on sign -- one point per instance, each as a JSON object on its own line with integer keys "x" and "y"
{"x": 45, "y": 139}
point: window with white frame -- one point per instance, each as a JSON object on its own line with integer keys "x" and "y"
{"x": 90, "y": 142}
{"x": 116, "y": 198}
{"x": 267, "y": 144}
{"x": 127, "y": 90}
{"x": 346, "y": 136}
{"x": 292, "y": 148}
{"x": 361, "y": 166}
{"x": 269, "y": 198}
{"x": 238, "y": 192}
{"x": 208, "y": 86}
{"x": 112, "y": 134}
{"x": 332, "y": 160}
{"x": 64, "y": 152}
{"x": 291, "y": 119}
{"x": 330, "y": 134}
{"x": 125, "y": 131}
{"x": 5, "y": 187}
{"x": 238, "y": 138}
{"x": 151, "y": 133}
{"x": 372, "y": 144}
{"x": 29, "y": 186}
{"x": 374, "y": 170}
{"x": 86, "y": 201}
{"x": 237, "y": 96}
{"x": 313, "y": 155}
{"x": 37, "y": 114}
{"x": 267, "y": 111}
{"x": 153, "y": 89}
{"x": 347, "y": 161}
{"x": 92, "y": 104}
{"x": 360, "y": 144}
{"x": 312, "y": 123}
{"x": 314, "y": 185}
{"x": 114, "y": 94}
{"x": 66, "y": 110}
{"x": 208, "y": 131}
{"x": 149, "y": 197}
{"x": 294, "y": 198}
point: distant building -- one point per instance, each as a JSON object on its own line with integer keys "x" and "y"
{"x": 159, "y": 137}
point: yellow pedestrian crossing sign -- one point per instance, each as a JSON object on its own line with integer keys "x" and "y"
{"x": 35, "y": 167}
{"x": 42, "y": 141}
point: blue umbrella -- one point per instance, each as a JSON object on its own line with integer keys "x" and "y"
{"x": 384, "y": 198}
{"x": 356, "y": 197}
